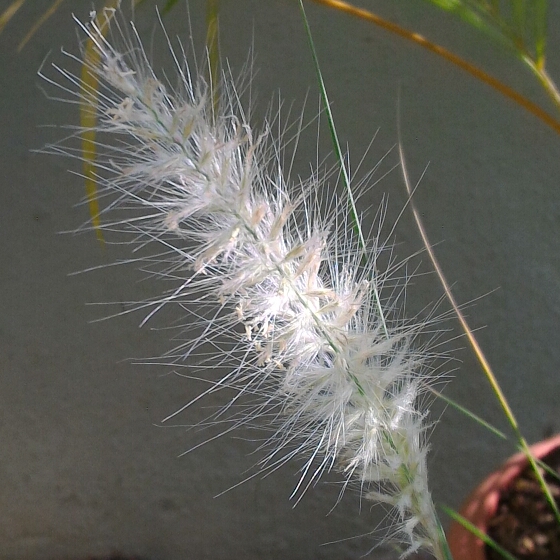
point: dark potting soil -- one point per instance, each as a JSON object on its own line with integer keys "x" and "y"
{"x": 524, "y": 524}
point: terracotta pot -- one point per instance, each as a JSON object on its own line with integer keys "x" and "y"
{"x": 482, "y": 504}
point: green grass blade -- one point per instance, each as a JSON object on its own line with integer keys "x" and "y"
{"x": 168, "y": 7}
{"x": 544, "y": 486}
{"x": 461, "y": 10}
{"x": 340, "y": 158}
{"x": 540, "y": 8}
{"x": 332, "y": 129}
{"x": 519, "y": 21}
{"x": 477, "y": 532}
{"x": 470, "y": 414}
{"x": 473, "y": 17}
{"x": 549, "y": 470}
{"x": 443, "y": 540}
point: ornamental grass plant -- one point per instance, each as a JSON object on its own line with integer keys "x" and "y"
{"x": 273, "y": 270}
{"x": 275, "y": 276}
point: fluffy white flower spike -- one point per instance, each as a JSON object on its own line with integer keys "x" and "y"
{"x": 309, "y": 343}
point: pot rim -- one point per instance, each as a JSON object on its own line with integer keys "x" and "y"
{"x": 482, "y": 504}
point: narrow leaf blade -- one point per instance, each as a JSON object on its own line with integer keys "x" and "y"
{"x": 9, "y": 13}
{"x": 38, "y": 24}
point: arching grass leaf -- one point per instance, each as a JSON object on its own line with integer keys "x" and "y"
{"x": 9, "y": 13}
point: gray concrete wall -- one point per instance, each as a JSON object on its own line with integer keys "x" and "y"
{"x": 86, "y": 467}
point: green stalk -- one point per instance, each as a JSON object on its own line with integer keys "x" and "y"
{"x": 340, "y": 158}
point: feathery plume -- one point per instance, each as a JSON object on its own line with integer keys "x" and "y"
{"x": 296, "y": 309}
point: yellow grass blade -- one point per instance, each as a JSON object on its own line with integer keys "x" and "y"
{"x": 9, "y": 13}
{"x": 88, "y": 114}
{"x": 485, "y": 364}
{"x": 46, "y": 15}
{"x": 505, "y": 90}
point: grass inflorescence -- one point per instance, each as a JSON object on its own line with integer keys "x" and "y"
{"x": 271, "y": 274}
